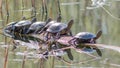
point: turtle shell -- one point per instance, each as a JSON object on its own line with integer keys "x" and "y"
{"x": 9, "y": 29}
{"x": 85, "y": 35}
{"x": 37, "y": 25}
{"x": 10, "y": 25}
{"x": 56, "y": 27}
{"x": 50, "y": 23}
{"x": 22, "y": 26}
{"x": 23, "y": 23}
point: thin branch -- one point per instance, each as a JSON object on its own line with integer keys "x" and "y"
{"x": 46, "y": 12}
{"x": 112, "y": 47}
{"x": 24, "y": 58}
{"x": 58, "y": 3}
{"x": 77, "y": 62}
{"x": 33, "y": 8}
{"x": 43, "y": 9}
{"x": 6, "y": 57}
{"x": 22, "y": 7}
{"x": 7, "y": 10}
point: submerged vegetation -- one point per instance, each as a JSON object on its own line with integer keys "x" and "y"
{"x": 21, "y": 50}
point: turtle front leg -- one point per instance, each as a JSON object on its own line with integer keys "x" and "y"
{"x": 46, "y": 36}
{"x": 52, "y": 38}
{"x": 13, "y": 29}
{"x": 58, "y": 35}
{"x": 70, "y": 32}
{"x": 92, "y": 41}
{"x": 24, "y": 30}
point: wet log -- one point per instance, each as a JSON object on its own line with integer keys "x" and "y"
{"x": 63, "y": 40}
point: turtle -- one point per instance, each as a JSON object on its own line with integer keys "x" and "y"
{"x": 22, "y": 26}
{"x": 37, "y": 26}
{"x": 50, "y": 23}
{"x": 10, "y": 26}
{"x": 58, "y": 29}
{"x": 9, "y": 29}
{"x": 86, "y": 37}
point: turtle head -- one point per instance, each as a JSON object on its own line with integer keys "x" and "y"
{"x": 70, "y": 23}
{"x": 34, "y": 20}
{"x": 59, "y": 18}
{"x": 99, "y": 33}
{"x": 48, "y": 20}
{"x": 23, "y": 18}
{"x": 10, "y": 27}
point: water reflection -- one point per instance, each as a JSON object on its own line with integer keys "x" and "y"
{"x": 33, "y": 43}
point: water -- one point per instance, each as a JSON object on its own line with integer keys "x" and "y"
{"x": 88, "y": 15}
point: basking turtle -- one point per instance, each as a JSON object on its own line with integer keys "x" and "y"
{"x": 58, "y": 29}
{"x": 10, "y": 27}
{"x": 86, "y": 37}
{"x": 50, "y": 23}
{"x": 22, "y": 26}
{"x": 37, "y": 26}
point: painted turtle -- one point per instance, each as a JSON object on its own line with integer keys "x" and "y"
{"x": 37, "y": 26}
{"x": 86, "y": 37}
{"x": 58, "y": 29}
{"x": 50, "y": 23}
{"x": 10, "y": 27}
{"x": 22, "y": 26}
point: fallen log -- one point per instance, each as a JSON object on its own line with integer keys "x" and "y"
{"x": 63, "y": 40}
